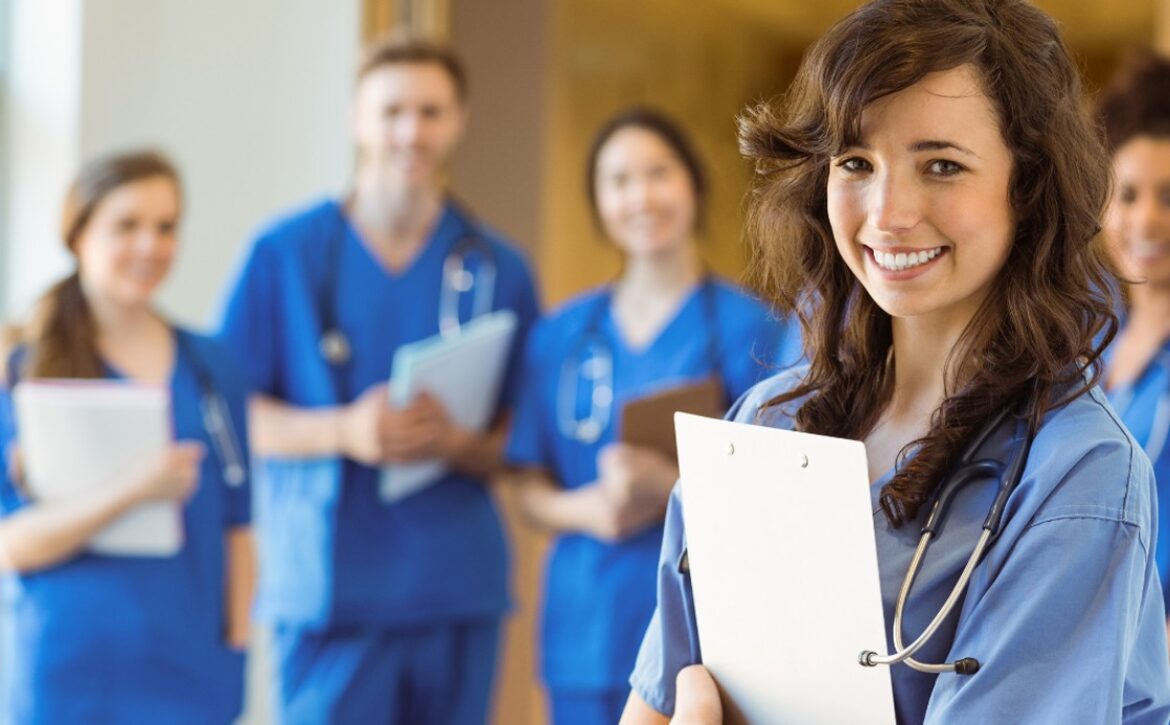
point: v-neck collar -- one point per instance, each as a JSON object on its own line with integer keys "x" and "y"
{"x": 663, "y": 333}
{"x": 445, "y": 230}
{"x": 1121, "y": 397}
{"x": 114, "y": 373}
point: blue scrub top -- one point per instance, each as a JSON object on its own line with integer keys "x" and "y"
{"x": 1064, "y": 612}
{"x": 332, "y": 552}
{"x": 113, "y": 639}
{"x": 1144, "y": 407}
{"x": 600, "y": 595}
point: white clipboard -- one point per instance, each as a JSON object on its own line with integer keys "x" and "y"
{"x": 464, "y": 372}
{"x": 783, "y": 566}
{"x": 77, "y": 436}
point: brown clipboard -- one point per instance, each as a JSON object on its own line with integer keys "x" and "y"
{"x": 649, "y": 421}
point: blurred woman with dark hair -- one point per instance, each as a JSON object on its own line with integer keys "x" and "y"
{"x": 102, "y": 638}
{"x": 927, "y": 197}
{"x": 666, "y": 323}
{"x": 1134, "y": 111}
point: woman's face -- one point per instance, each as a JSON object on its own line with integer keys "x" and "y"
{"x": 125, "y": 250}
{"x": 920, "y": 207}
{"x": 1137, "y": 223}
{"x": 645, "y": 195}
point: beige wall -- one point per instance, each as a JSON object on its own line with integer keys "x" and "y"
{"x": 1162, "y": 26}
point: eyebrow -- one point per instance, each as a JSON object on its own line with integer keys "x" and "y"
{"x": 930, "y": 145}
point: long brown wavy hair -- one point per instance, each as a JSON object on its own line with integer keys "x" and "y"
{"x": 61, "y": 335}
{"x": 1035, "y": 341}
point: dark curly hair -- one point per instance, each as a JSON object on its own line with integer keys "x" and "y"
{"x": 1035, "y": 341}
{"x": 1137, "y": 101}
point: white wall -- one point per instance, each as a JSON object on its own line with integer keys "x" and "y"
{"x": 41, "y": 149}
{"x": 249, "y": 98}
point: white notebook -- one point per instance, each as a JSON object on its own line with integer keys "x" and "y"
{"x": 79, "y": 436}
{"x": 464, "y": 372}
{"x": 783, "y": 565}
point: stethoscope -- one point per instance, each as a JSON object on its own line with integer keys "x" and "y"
{"x": 1160, "y": 426}
{"x": 457, "y": 280}
{"x": 217, "y": 420}
{"x": 968, "y": 470}
{"x": 591, "y": 362}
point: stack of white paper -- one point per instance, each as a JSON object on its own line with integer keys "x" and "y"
{"x": 464, "y": 373}
{"x": 79, "y": 436}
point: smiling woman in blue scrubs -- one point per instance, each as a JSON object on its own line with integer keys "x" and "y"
{"x": 384, "y": 612}
{"x": 933, "y": 182}
{"x": 664, "y": 322}
{"x": 127, "y": 639}
{"x": 1135, "y": 113}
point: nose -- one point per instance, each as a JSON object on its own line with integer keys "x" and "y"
{"x": 408, "y": 128}
{"x": 150, "y": 241}
{"x": 895, "y": 202}
{"x": 1149, "y": 218}
{"x": 639, "y": 193}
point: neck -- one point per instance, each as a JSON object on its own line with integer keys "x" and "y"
{"x": 1149, "y": 309}
{"x": 390, "y": 211}
{"x": 116, "y": 323}
{"x": 662, "y": 274}
{"x": 921, "y": 352}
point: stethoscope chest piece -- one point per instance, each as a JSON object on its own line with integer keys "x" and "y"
{"x": 335, "y": 347}
{"x": 595, "y": 374}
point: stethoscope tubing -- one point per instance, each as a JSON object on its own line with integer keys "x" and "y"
{"x": 456, "y": 279}
{"x": 969, "y": 471}
{"x": 217, "y": 421}
{"x": 588, "y": 430}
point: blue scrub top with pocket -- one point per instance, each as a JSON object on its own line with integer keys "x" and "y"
{"x": 333, "y": 553}
{"x": 122, "y": 639}
{"x": 1064, "y": 612}
{"x": 599, "y": 595}
{"x": 1144, "y": 407}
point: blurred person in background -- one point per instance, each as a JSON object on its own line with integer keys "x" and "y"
{"x": 128, "y": 639}
{"x": 383, "y": 611}
{"x": 666, "y": 321}
{"x": 1134, "y": 111}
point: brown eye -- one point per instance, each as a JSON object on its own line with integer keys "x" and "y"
{"x": 945, "y": 167}
{"x": 854, "y": 165}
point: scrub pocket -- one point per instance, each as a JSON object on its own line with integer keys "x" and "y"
{"x": 296, "y": 508}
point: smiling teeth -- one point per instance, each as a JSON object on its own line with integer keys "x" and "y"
{"x": 902, "y": 260}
